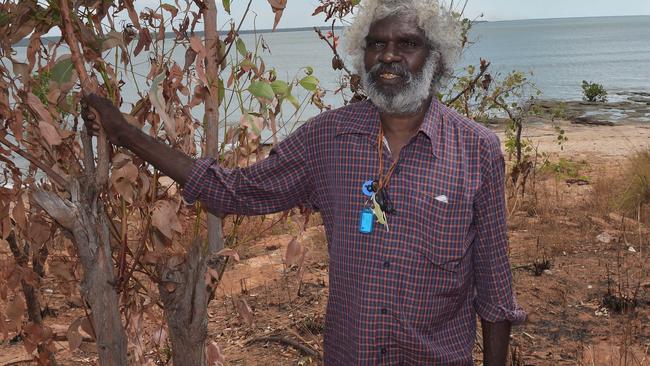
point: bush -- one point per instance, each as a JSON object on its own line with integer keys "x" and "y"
{"x": 593, "y": 92}
{"x": 636, "y": 179}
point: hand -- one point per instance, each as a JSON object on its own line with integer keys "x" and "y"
{"x": 99, "y": 113}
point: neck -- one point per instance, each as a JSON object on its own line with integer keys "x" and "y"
{"x": 404, "y": 126}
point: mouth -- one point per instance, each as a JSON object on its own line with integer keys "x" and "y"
{"x": 389, "y": 76}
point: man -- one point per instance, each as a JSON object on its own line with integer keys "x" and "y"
{"x": 404, "y": 290}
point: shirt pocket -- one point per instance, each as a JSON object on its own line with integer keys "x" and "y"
{"x": 433, "y": 284}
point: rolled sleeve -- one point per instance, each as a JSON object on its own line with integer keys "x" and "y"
{"x": 195, "y": 180}
{"x": 495, "y": 300}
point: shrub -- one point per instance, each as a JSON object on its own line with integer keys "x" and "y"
{"x": 636, "y": 192}
{"x": 593, "y": 92}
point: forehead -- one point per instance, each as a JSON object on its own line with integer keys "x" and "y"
{"x": 396, "y": 26}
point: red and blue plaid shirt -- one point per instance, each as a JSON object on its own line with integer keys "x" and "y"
{"x": 410, "y": 295}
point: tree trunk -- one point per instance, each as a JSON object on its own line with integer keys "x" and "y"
{"x": 91, "y": 239}
{"x": 31, "y": 296}
{"x": 215, "y": 234}
{"x": 185, "y": 298}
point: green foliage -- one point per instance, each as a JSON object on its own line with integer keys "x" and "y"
{"x": 637, "y": 183}
{"x": 41, "y": 85}
{"x": 309, "y": 82}
{"x": 566, "y": 168}
{"x": 593, "y": 92}
{"x": 261, "y": 89}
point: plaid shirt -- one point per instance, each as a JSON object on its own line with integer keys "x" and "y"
{"x": 407, "y": 296}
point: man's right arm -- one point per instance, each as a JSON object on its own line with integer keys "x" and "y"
{"x": 277, "y": 183}
{"x": 172, "y": 163}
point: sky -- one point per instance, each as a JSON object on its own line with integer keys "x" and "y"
{"x": 298, "y": 12}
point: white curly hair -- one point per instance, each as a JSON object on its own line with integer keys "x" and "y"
{"x": 442, "y": 29}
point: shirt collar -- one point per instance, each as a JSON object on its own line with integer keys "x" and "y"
{"x": 365, "y": 120}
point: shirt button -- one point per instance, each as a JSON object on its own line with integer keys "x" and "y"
{"x": 384, "y": 350}
{"x": 384, "y": 311}
{"x": 386, "y": 264}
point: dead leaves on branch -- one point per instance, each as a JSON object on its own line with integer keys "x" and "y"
{"x": 278, "y": 7}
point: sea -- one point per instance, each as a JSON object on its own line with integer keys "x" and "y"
{"x": 558, "y": 54}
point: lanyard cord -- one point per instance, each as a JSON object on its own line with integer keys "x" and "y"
{"x": 383, "y": 181}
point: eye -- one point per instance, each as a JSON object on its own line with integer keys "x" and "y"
{"x": 371, "y": 43}
{"x": 410, "y": 44}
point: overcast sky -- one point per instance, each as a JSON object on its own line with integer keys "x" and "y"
{"x": 298, "y": 12}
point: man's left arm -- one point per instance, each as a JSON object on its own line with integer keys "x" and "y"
{"x": 495, "y": 302}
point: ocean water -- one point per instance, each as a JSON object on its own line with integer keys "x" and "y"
{"x": 613, "y": 51}
{"x": 560, "y": 53}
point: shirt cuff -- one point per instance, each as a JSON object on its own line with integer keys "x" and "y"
{"x": 194, "y": 184}
{"x": 497, "y": 312}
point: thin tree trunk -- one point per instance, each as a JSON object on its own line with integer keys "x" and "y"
{"x": 185, "y": 298}
{"x": 183, "y": 289}
{"x": 91, "y": 239}
{"x": 215, "y": 233}
{"x": 31, "y": 296}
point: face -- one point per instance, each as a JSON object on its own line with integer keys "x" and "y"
{"x": 399, "y": 65}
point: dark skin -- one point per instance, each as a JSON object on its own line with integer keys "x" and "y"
{"x": 395, "y": 39}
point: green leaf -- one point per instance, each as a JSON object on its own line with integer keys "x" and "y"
{"x": 247, "y": 65}
{"x": 293, "y": 101}
{"x": 241, "y": 47}
{"x": 309, "y": 70}
{"x": 261, "y": 89}
{"x": 356, "y": 2}
{"x": 62, "y": 71}
{"x": 4, "y": 19}
{"x": 221, "y": 91}
{"x": 280, "y": 88}
{"x": 226, "y": 5}
{"x": 309, "y": 82}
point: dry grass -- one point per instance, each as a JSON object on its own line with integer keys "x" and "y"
{"x": 634, "y": 196}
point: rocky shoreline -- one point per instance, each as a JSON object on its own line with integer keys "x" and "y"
{"x": 633, "y": 108}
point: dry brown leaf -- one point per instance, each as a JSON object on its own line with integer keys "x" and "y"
{"x": 87, "y": 326}
{"x": 244, "y": 311}
{"x": 294, "y": 251}
{"x": 229, "y": 252}
{"x": 73, "y": 335}
{"x": 61, "y": 270}
{"x": 39, "y": 230}
{"x": 278, "y": 7}
{"x": 144, "y": 41}
{"x": 123, "y": 180}
{"x": 38, "y": 108}
{"x": 35, "y": 334}
{"x": 16, "y": 310}
{"x": 133, "y": 15}
{"x": 165, "y": 218}
{"x": 119, "y": 160}
{"x": 160, "y": 336}
{"x": 18, "y": 213}
{"x": 49, "y": 133}
{"x": 214, "y": 355}
{"x": 168, "y": 185}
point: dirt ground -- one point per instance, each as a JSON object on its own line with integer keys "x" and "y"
{"x": 575, "y": 262}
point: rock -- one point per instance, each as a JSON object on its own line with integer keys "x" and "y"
{"x": 606, "y": 238}
{"x": 591, "y": 121}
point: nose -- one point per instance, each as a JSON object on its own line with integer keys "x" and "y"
{"x": 390, "y": 54}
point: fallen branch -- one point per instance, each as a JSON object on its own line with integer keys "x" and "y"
{"x": 306, "y": 350}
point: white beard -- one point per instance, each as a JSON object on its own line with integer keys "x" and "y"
{"x": 410, "y": 98}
